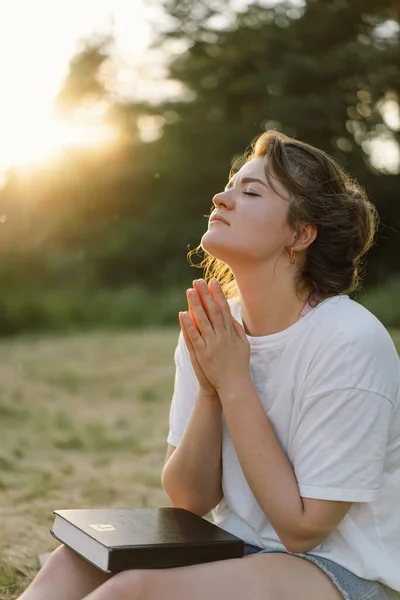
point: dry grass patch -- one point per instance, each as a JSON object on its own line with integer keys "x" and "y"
{"x": 83, "y": 423}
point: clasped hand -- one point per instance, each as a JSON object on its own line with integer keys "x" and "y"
{"x": 218, "y": 347}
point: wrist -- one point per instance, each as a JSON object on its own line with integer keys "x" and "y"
{"x": 208, "y": 394}
{"x": 235, "y": 389}
{"x": 208, "y": 399}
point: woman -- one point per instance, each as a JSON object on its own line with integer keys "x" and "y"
{"x": 285, "y": 417}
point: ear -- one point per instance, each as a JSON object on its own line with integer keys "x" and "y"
{"x": 306, "y": 234}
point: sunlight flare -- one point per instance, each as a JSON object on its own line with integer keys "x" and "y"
{"x": 37, "y": 141}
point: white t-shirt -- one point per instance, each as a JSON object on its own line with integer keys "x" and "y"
{"x": 330, "y": 385}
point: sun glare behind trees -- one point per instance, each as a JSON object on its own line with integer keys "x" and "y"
{"x": 37, "y": 39}
{"x": 111, "y": 217}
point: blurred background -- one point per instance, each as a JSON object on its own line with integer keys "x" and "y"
{"x": 120, "y": 120}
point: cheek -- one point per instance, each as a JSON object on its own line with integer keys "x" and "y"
{"x": 257, "y": 234}
{"x": 270, "y": 233}
{"x": 270, "y": 224}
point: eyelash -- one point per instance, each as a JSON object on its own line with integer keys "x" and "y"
{"x": 250, "y": 193}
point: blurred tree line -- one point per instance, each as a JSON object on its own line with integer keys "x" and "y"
{"x": 102, "y": 236}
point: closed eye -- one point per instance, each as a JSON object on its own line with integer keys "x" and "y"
{"x": 248, "y": 193}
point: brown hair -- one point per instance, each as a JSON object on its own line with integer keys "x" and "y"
{"x": 322, "y": 194}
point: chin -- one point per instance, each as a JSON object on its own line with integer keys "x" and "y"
{"x": 233, "y": 255}
{"x": 215, "y": 247}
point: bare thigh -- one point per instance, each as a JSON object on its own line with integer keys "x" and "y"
{"x": 65, "y": 576}
{"x": 257, "y": 577}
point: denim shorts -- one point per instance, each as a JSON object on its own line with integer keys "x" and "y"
{"x": 349, "y": 585}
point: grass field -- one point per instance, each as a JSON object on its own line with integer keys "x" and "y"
{"x": 83, "y": 423}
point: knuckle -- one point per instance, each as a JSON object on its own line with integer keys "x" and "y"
{"x": 226, "y": 311}
{"x": 213, "y": 309}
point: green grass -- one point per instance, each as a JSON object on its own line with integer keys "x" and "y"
{"x": 83, "y": 423}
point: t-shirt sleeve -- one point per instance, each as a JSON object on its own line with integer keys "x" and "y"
{"x": 339, "y": 444}
{"x": 185, "y": 390}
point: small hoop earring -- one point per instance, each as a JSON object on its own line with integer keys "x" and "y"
{"x": 292, "y": 255}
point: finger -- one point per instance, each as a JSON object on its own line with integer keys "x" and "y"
{"x": 211, "y": 307}
{"x": 191, "y": 312}
{"x": 185, "y": 335}
{"x": 194, "y": 336}
{"x": 222, "y": 302}
{"x": 239, "y": 329}
{"x": 196, "y": 286}
{"x": 202, "y": 319}
{"x": 192, "y": 315}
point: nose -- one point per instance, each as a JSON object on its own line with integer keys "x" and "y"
{"x": 223, "y": 199}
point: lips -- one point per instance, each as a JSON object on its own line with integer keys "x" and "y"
{"x": 218, "y": 218}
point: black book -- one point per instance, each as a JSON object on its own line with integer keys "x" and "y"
{"x": 143, "y": 538}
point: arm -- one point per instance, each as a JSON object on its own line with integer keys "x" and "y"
{"x": 300, "y": 523}
{"x": 192, "y": 475}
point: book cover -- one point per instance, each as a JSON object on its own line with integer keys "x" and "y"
{"x": 118, "y": 539}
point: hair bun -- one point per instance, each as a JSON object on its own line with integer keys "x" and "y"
{"x": 367, "y": 218}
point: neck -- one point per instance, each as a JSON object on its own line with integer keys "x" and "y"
{"x": 271, "y": 302}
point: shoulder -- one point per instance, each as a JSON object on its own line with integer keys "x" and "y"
{"x": 346, "y": 343}
{"x": 345, "y": 321}
{"x": 181, "y": 354}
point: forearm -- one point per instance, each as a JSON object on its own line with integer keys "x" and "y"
{"x": 192, "y": 475}
{"x": 265, "y": 465}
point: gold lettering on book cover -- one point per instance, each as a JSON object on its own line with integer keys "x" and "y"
{"x": 100, "y": 527}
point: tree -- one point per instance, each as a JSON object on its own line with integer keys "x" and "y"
{"x": 321, "y": 72}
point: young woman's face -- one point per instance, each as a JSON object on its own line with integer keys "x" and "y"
{"x": 256, "y": 228}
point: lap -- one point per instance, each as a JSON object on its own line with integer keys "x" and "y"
{"x": 259, "y": 577}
